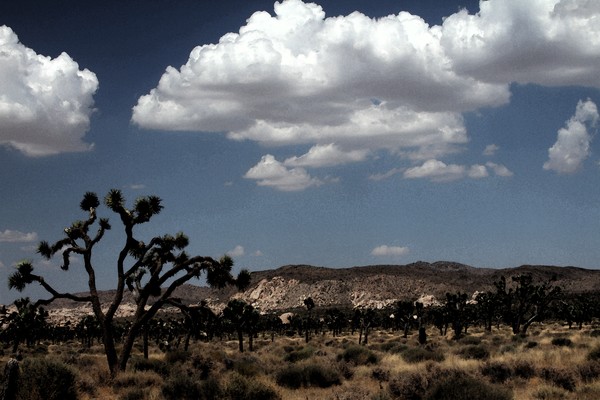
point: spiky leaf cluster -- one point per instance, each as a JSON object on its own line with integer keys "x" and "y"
{"x": 145, "y": 208}
{"x": 22, "y": 276}
{"x": 90, "y": 201}
{"x": 114, "y": 200}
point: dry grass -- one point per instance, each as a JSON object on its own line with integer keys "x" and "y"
{"x": 534, "y": 368}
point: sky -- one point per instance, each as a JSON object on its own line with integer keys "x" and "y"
{"x": 332, "y": 133}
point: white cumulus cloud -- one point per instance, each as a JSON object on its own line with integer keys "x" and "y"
{"x": 45, "y": 103}
{"x": 438, "y": 171}
{"x": 12, "y": 236}
{"x": 390, "y": 251}
{"x": 326, "y": 155}
{"x": 348, "y": 84}
{"x": 499, "y": 169}
{"x": 572, "y": 145}
{"x": 238, "y": 251}
{"x": 272, "y": 173}
{"x": 547, "y": 42}
{"x": 352, "y": 85}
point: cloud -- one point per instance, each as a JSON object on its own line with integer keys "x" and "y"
{"x": 546, "y": 42}
{"x": 358, "y": 85}
{"x": 385, "y": 175}
{"x": 45, "y": 103}
{"x": 11, "y": 236}
{"x": 325, "y": 156}
{"x": 270, "y": 172}
{"x": 137, "y": 186}
{"x": 351, "y": 86}
{"x": 238, "y": 251}
{"x": 499, "y": 169}
{"x": 490, "y": 150}
{"x": 572, "y": 145}
{"x": 438, "y": 171}
{"x": 387, "y": 251}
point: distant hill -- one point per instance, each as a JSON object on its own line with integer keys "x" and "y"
{"x": 369, "y": 286}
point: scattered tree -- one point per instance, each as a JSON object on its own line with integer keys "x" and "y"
{"x": 150, "y": 270}
{"x": 244, "y": 318}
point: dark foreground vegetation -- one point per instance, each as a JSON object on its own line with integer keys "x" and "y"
{"x": 524, "y": 340}
{"x": 553, "y": 362}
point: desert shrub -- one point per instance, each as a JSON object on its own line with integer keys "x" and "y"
{"x": 137, "y": 379}
{"x": 418, "y": 354}
{"x": 346, "y": 370}
{"x": 291, "y": 377}
{"x": 462, "y": 386}
{"x": 176, "y": 356}
{"x": 594, "y": 354}
{"x": 497, "y": 372}
{"x": 470, "y": 340}
{"x": 549, "y": 393}
{"x": 240, "y": 387}
{"x": 517, "y": 338}
{"x": 203, "y": 365}
{"x": 181, "y": 387}
{"x": 150, "y": 364}
{"x": 295, "y": 376}
{"x": 321, "y": 376}
{"x": 589, "y": 371}
{"x": 595, "y": 333}
{"x": 524, "y": 369}
{"x": 135, "y": 394}
{"x": 475, "y": 352}
{"x": 247, "y": 366}
{"x": 531, "y": 345}
{"x": 211, "y": 389}
{"x": 509, "y": 348}
{"x": 497, "y": 340}
{"x": 46, "y": 379}
{"x": 300, "y": 354}
{"x": 560, "y": 377}
{"x": 40, "y": 349}
{"x": 381, "y": 375}
{"x": 560, "y": 341}
{"x": 87, "y": 385}
{"x": 408, "y": 386}
{"x": 86, "y": 361}
{"x": 359, "y": 355}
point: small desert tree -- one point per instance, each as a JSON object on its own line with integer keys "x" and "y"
{"x": 243, "y": 318}
{"x": 309, "y": 304}
{"x": 527, "y": 301}
{"x": 150, "y": 270}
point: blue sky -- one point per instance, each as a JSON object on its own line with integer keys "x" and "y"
{"x": 330, "y": 133}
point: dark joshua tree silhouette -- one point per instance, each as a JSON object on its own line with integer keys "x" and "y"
{"x": 310, "y": 304}
{"x": 244, "y": 318}
{"x": 526, "y": 302}
{"x": 151, "y": 269}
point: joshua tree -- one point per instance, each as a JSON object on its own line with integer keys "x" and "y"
{"x": 310, "y": 304}
{"x": 26, "y": 324}
{"x": 364, "y": 319}
{"x": 152, "y": 269}
{"x": 457, "y": 308}
{"x": 244, "y": 318}
{"x": 526, "y": 302}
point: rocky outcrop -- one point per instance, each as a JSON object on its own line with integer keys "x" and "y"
{"x": 377, "y": 286}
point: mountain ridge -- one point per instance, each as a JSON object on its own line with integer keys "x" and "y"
{"x": 286, "y": 287}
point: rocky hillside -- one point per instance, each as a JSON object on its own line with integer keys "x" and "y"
{"x": 371, "y": 286}
{"x": 380, "y": 285}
